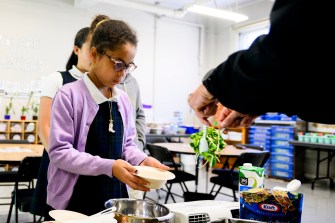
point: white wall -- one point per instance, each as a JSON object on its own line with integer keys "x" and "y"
{"x": 222, "y": 40}
{"x": 36, "y": 39}
{"x": 177, "y": 65}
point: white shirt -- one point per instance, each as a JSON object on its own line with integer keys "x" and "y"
{"x": 55, "y": 81}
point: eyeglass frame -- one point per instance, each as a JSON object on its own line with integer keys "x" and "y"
{"x": 125, "y": 66}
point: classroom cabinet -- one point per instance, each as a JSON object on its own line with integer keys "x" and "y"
{"x": 235, "y": 136}
{"x": 19, "y": 130}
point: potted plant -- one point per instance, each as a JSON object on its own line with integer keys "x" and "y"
{"x": 34, "y": 108}
{"x": 9, "y": 109}
{"x": 26, "y": 108}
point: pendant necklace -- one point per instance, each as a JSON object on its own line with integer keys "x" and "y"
{"x": 110, "y": 126}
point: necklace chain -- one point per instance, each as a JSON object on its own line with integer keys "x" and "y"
{"x": 110, "y": 126}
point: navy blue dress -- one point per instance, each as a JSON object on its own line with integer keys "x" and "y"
{"x": 91, "y": 192}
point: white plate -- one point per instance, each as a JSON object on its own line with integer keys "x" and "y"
{"x": 31, "y": 138}
{"x": 156, "y": 177}
{"x": 30, "y": 127}
{"x": 64, "y": 215}
{"x": 16, "y": 137}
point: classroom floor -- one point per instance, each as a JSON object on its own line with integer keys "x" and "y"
{"x": 319, "y": 204}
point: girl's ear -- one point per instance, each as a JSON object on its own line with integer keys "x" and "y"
{"x": 93, "y": 54}
{"x": 76, "y": 50}
{"x": 93, "y": 57}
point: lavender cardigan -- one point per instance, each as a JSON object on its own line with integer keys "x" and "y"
{"x": 73, "y": 111}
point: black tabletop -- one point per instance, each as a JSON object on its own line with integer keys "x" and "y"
{"x": 312, "y": 145}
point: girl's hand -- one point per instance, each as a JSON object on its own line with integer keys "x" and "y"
{"x": 150, "y": 161}
{"x": 124, "y": 171}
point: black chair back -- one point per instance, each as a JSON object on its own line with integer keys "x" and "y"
{"x": 256, "y": 159}
{"x": 163, "y": 155}
{"x": 28, "y": 169}
{"x": 229, "y": 177}
{"x": 22, "y": 197}
{"x": 8, "y": 178}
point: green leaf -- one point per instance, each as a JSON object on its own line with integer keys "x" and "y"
{"x": 215, "y": 143}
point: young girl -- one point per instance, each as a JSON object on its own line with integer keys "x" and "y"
{"x": 92, "y": 129}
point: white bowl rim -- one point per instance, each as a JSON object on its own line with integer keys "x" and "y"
{"x": 165, "y": 175}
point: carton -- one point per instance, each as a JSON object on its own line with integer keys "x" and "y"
{"x": 250, "y": 177}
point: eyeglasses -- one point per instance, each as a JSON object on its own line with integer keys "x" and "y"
{"x": 120, "y": 65}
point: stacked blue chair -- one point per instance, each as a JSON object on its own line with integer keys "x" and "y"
{"x": 261, "y": 136}
{"x": 282, "y": 152}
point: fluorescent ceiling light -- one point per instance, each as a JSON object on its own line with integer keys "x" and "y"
{"x": 218, "y": 13}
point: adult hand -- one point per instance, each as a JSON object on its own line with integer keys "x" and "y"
{"x": 124, "y": 171}
{"x": 203, "y": 103}
{"x": 232, "y": 119}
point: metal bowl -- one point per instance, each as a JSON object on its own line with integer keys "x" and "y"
{"x": 139, "y": 211}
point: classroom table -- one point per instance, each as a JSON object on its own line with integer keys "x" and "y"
{"x": 14, "y": 153}
{"x": 319, "y": 147}
{"x": 185, "y": 148}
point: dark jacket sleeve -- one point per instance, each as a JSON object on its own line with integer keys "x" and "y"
{"x": 274, "y": 73}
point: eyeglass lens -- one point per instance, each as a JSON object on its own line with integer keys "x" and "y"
{"x": 119, "y": 66}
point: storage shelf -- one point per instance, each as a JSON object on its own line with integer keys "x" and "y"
{"x": 274, "y": 136}
{"x": 19, "y": 130}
